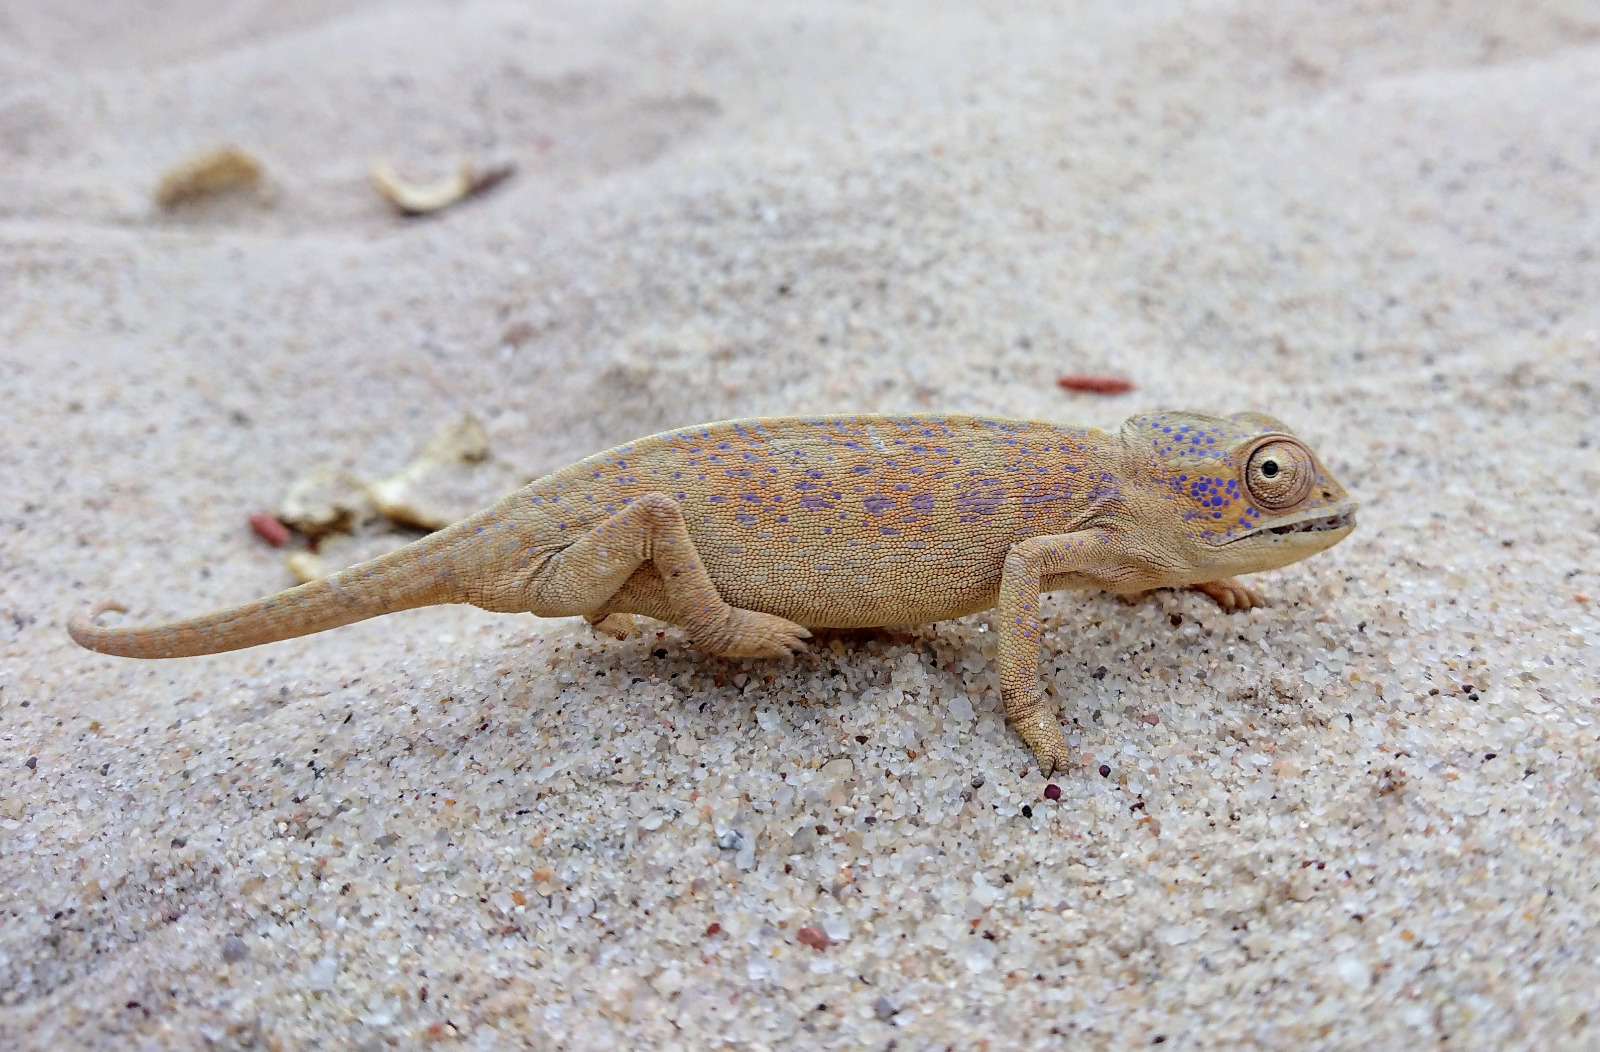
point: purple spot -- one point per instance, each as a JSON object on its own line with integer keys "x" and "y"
{"x": 877, "y": 504}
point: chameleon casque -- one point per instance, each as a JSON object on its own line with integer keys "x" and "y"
{"x": 748, "y": 532}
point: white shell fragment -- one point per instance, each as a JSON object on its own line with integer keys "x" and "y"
{"x": 339, "y": 550}
{"x": 306, "y": 566}
{"x": 414, "y": 199}
{"x": 433, "y": 490}
{"x": 325, "y": 500}
{"x": 216, "y": 171}
{"x": 347, "y": 520}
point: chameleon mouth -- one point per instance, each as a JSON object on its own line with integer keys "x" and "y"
{"x": 1339, "y": 521}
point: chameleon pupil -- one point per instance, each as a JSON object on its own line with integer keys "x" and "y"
{"x": 1270, "y": 469}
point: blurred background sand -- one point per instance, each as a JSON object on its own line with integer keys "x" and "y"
{"x": 1375, "y": 221}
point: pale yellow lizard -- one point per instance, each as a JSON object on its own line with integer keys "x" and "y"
{"x": 748, "y": 532}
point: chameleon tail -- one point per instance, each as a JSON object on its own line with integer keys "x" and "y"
{"x": 424, "y": 573}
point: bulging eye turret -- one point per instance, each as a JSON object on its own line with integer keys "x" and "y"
{"x": 1280, "y": 474}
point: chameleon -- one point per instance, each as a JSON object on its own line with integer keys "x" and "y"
{"x": 749, "y": 533}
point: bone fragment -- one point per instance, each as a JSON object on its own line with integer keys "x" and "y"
{"x": 413, "y": 199}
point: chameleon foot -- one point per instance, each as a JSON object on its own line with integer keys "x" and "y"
{"x": 1036, "y": 724}
{"x": 1043, "y": 736}
{"x": 617, "y": 626}
{"x": 749, "y": 633}
{"x": 1231, "y": 594}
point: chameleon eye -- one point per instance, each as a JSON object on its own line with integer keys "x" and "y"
{"x": 1279, "y": 474}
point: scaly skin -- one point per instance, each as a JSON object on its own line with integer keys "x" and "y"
{"x": 748, "y": 532}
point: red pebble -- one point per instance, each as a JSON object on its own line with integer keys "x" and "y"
{"x": 815, "y": 938}
{"x": 1106, "y": 385}
{"x": 269, "y": 529}
{"x": 713, "y": 929}
{"x": 1052, "y": 791}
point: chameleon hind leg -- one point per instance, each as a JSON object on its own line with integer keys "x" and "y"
{"x": 1092, "y": 559}
{"x": 583, "y": 577}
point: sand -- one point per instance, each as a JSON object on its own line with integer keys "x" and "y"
{"x": 1365, "y": 816}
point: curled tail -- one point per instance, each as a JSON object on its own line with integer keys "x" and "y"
{"x": 425, "y": 573}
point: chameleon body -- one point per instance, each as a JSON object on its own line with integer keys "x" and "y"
{"x": 749, "y": 532}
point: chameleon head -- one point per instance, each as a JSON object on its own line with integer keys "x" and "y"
{"x": 1250, "y": 495}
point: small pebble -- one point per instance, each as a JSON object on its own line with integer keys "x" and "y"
{"x": 1105, "y": 770}
{"x": 815, "y": 938}
{"x": 234, "y": 949}
{"x": 977, "y": 782}
{"x": 884, "y": 1009}
{"x": 1052, "y": 791}
{"x": 269, "y": 529}
{"x": 1091, "y": 384}
{"x": 713, "y": 929}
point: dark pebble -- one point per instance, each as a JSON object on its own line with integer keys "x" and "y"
{"x": 884, "y": 1009}
{"x": 234, "y": 949}
{"x": 178, "y": 841}
{"x": 1099, "y": 673}
{"x": 1027, "y": 812}
{"x": 1105, "y": 770}
{"x": 662, "y": 652}
{"x": 32, "y": 763}
{"x": 977, "y": 783}
{"x": 1052, "y": 791}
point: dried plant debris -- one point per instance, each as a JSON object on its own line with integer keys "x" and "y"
{"x": 346, "y": 520}
{"x": 414, "y": 199}
{"x": 225, "y": 169}
{"x": 436, "y": 489}
{"x": 325, "y": 500}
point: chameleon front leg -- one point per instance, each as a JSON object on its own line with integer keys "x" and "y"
{"x": 584, "y": 576}
{"x": 1090, "y": 555}
{"x": 1231, "y": 594}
